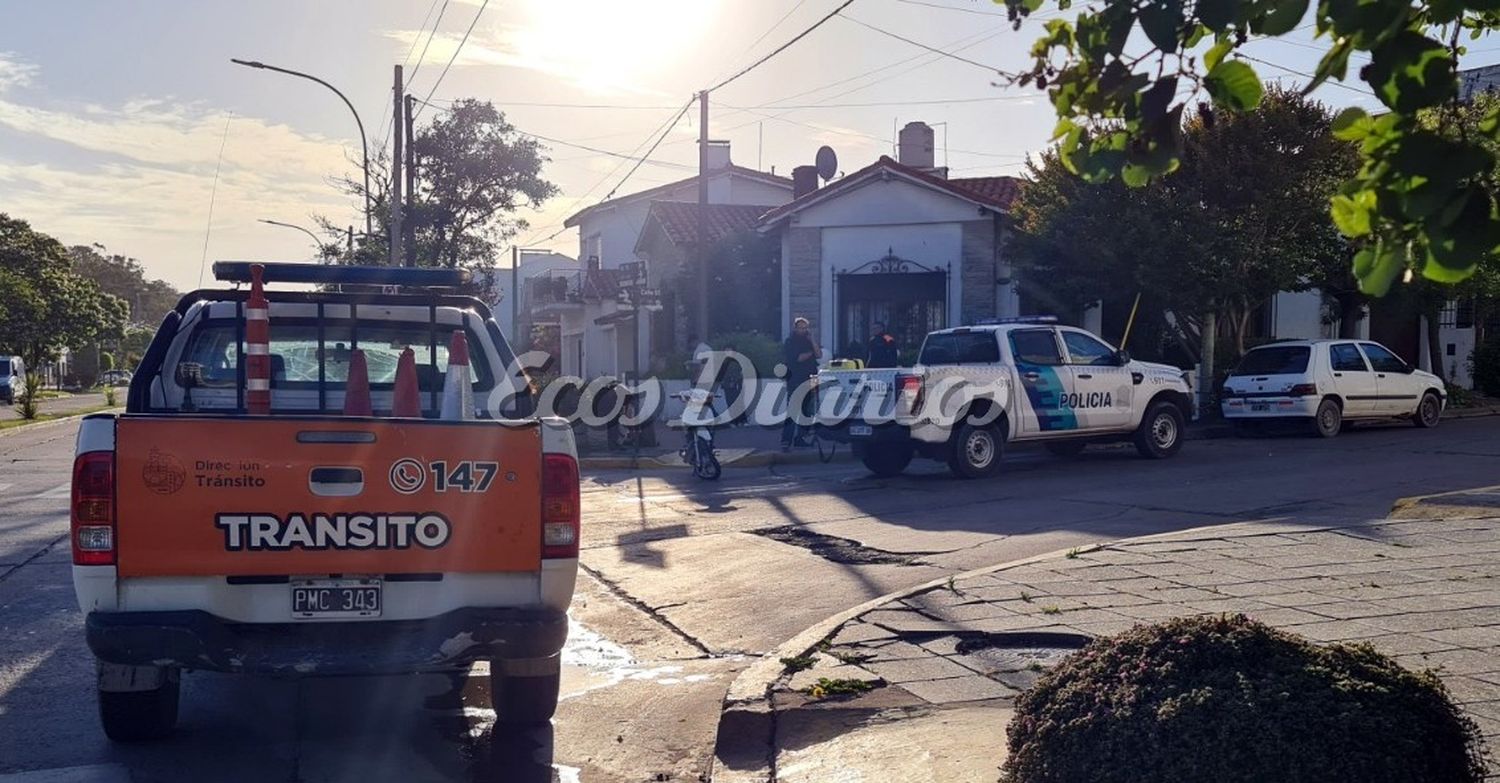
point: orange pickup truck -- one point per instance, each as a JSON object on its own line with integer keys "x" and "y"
{"x": 358, "y": 523}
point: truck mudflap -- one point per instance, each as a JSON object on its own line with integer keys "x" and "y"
{"x": 198, "y": 640}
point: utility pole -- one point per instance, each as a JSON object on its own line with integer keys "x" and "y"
{"x": 409, "y": 227}
{"x": 398, "y": 125}
{"x": 702, "y": 217}
{"x": 350, "y": 238}
{"x": 515, "y": 293}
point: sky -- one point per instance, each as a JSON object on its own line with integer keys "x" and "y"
{"x": 125, "y": 124}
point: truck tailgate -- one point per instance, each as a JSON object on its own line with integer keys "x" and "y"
{"x": 220, "y": 496}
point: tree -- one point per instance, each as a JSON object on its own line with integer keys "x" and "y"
{"x": 1418, "y": 201}
{"x": 474, "y": 171}
{"x": 1242, "y": 219}
{"x": 148, "y": 300}
{"x": 44, "y": 304}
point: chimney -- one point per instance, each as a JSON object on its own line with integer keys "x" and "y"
{"x": 804, "y": 180}
{"x": 718, "y": 155}
{"x": 914, "y": 146}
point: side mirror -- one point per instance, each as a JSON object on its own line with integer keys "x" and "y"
{"x": 1122, "y": 358}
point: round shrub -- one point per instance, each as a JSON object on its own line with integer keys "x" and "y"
{"x": 1484, "y": 367}
{"x": 1227, "y": 699}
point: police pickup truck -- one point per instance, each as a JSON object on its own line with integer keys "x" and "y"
{"x": 301, "y": 485}
{"x": 976, "y": 388}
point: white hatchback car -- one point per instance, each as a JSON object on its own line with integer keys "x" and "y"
{"x": 1329, "y": 382}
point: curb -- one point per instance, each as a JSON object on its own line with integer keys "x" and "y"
{"x": 756, "y": 458}
{"x": 747, "y": 720}
{"x": 1470, "y": 413}
{"x": 9, "y": 431}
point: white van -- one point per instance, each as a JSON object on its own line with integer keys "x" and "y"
{"x": 12, "y": 379}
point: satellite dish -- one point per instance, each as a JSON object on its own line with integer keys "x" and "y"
{"x": 828, "y": 163}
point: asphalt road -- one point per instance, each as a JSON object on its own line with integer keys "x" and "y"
{"x": 686, "y": 580}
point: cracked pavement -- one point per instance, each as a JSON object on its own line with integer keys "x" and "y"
{"x": 682, "y": 586}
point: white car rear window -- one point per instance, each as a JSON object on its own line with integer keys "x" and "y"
{"x": 1275, "y": 360}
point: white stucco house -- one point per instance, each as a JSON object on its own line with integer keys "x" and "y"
{"x": 601, "y": 330}
{"x": 897, "y": 243}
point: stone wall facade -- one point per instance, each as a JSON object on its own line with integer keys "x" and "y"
{"x": 804, "y": 265}
{"x": 977, "y": 283}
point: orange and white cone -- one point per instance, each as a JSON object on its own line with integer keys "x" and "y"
{"x": 257, "y": 347}
{"x": 458, "y": 386}
{"x": 357, "y": 387}
{"x": 406, "y": 398}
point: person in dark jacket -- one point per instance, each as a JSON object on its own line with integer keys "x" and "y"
{"x": 801, "y": 354}
{"x": 882, "y": 348}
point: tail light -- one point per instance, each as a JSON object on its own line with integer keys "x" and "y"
{"x": 560, "y": 512}
{"x": 94, "y": 508}
{"x": 910, "y": 389}
{"x": 1303, "y": 390}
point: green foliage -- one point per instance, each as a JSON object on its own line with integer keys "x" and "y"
{"x": 1484, "y": 366}
{"x": 148, "y": 300}
{"x": 1231, "y": 700}
{"x": 44, "y": 304}
{"x": 474, "y": 171}
{"x": 1243, "y": 217}
{"x": 826, "y": 688}
{"x": 26, "y": 405}
{"x": 1419, "y": 199}
{"x": 761, "y": 349}
{"x": 110, "y": 396}
{"x": 799, "y": 663}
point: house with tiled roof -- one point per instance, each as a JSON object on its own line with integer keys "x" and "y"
{"x": 615, "y": 336}
{"x": 896, "y": 243}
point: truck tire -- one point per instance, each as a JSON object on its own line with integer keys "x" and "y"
{"x": 1160, "y": 432}
{"x": 520, "y": 700}
{"x": 140, "y": 716}
{"x": 887, "y": 460}
{"x": 975, "y": 451}
{"x": 1065, "y": 448}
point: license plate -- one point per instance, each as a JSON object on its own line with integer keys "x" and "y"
{"x": 1260, "y": 406}
{"x": 328, "y": 598}
{"x": 860, "y": 430}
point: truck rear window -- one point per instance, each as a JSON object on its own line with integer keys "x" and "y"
{"x": 1275, "y": 360}
{"x": 296, "y": 359}
{"x": 960, "y": 348}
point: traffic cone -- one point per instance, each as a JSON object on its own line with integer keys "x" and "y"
{"x": 357, "y": 387}
{"x": 406, "y": 399}
{"x": 458, "y": 386}
{"x": 257, "y": 346}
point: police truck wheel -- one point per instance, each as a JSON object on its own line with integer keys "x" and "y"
{"x": 975, "y": 451}
{"x": 524, "y": 700}
{"x": 887, "y": 460}
{"x": 1429, "y": 411}
{"x": 1066, "y": 448}
{"x": 1329, "y": 420}
{"x": 139, "y": 716}
{"x": 1160, "y": 434}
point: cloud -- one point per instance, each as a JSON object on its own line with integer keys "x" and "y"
{"x": 14, "y": 72}
{"x": 138, "y": 176}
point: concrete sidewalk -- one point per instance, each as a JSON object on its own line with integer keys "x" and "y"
{"x": 932, "y": 672}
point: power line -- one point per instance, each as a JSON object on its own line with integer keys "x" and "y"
{"x": 951, "y": 8}
{"x": 783, "y": 47}
{"x": 459, "y": 48}
{"x": 599, "y": 151}
{"x": 646, "y": 156}
{"x": 423, "y": 56}
{"x": 386, "y": 106}
{"x": 773, "y": 27}
{"x": 919, "y": 44}
{"x": 1333, "y": 82}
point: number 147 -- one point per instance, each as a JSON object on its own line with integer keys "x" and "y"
{"x": 464, "y": 476}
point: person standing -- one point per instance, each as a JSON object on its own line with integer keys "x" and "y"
{"x": 801, "y": 354}
{"x": 882, "y": 348}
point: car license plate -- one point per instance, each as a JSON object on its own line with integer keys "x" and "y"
{"x": 1260, "y": 406}
{"x": 329, "y": 598}
{"x": 860, "y": 430}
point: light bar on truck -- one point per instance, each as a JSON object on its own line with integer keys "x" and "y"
{"x": 1019, "y": 319}
{"x": 331, "y": 274}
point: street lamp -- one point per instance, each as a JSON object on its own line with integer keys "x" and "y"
{"x": 363, "y": 143}
{"x": 316, "y": 242}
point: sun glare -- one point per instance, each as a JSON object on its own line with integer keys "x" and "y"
{"x": 607, "y": 45}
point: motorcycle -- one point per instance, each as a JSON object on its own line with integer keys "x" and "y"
{"x": 698, "y": 442}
